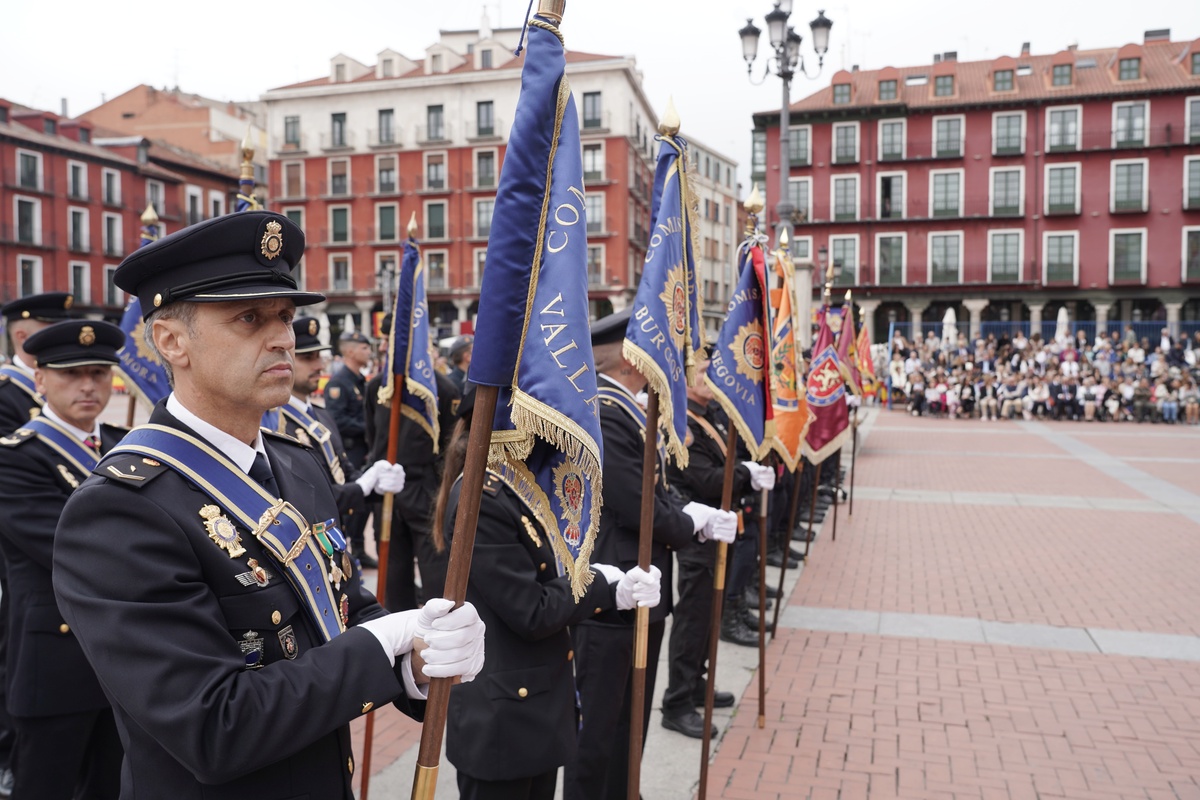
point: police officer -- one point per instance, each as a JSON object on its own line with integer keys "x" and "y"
{"x": 344, "y": 401}
{"x": 201, "y": 567}
{"x": 413, "y": 509}
{"x": 509, "y": 731}
{"x": 67, "y": 742}
{"x": 604, "y": 643}
{"x": 302, "y": 419}
{"x": 460, "y": 360}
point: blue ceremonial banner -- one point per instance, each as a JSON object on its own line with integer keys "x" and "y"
{"x": 408, "y": 356}
{"x": 143, "y": 374}
{"x": 739, "y": 374}
{"x": 664, "y": 328}
{"x": 532, "y": 337}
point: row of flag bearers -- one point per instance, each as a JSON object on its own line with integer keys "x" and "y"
{"x": 565, "y": 506}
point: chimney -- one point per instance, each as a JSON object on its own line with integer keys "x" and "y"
{"x": 64, "y": 113}
{"x": 1073, "y": 47}
{"x": 950, "y": 55}
{"x": 937, "y": 58}
{"x": 1160, "y": 35}
{"x": 854, "y": 68}
{"x": 1024, "y": 48}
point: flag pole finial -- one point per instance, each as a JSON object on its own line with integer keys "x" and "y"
{"x": 669, "y": 126}
{"x": 150, "y": 216}
{"x": 552, "y": 8}
{"x": 754, "y": 203}
{"x": 783, "y": 239}
{"x": 412, "y": 224}
{"x": 247, "y": 156}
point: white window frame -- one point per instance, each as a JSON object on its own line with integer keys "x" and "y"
{"x": 349, "y": 224}
{"x": 425, "y": 156}
{"x": 1112, "y": 242}
{"x": 495, "y": 151}
{"x": 83, "y": 183}
{"x": 85, "y": 296}
{"x": 190, "y": 191}
{"x": 1146, "y": 123}
{"x": 833, "y": 179}
{"x": 1024, "y": 127}
{"x": 86, "y": 227}
{"x": 375, "y": 178}
{"x": 903, "y": 121}
{"x": 808, "y": 152}
{"x": 427, "y": 257}
{"x": 1183, "y": 249}
{"x": 808, "y": 212}
{"x": 118, "y": 293}
{"x": 1187, "y": 117}
{"x": 39, "y": 272}
{"x": 601, "y": 246}
{"x": 329, "y": 162}
{"x": 425, "y": 219}
{"x": 961, "y": 172}
{"x": 879, "y": 176}
{"x": 38, "y": 228}
{"x": 857, "y": 252}
{"x": 1046, "y": 260}
{"x": 929, "y": 254}
{"x": 286, "y": 210}
{"x": 1112, "y": 182}
{"x": 105, "y": 245}
{"x": 379, "y": 225}
{"x": 476, "y": 275}
{"x": 475, "y": 216}
{"x": 598, "y": 145}
{"x": 1078, "y": 109}
{"x": 1020, "y": 232}
{"x": 1078, "y": 167}
{"x": 962, "y": 135}
{"x": 162, "y": 194}
{"x": 1183, "y": 189}
{"x": 903, "y": 255}
{"x": 116, "y": 174}
{"x": 217, "y": 197}
{"x": 283, "y": 168}
{"x": 41, "y": 170}
{"x": 833, "y": 129}
{"x": 603, "y": 213}
{"x": 380, "y": 255}
{"x": 795, "y": 239}
{"x": 349, "y": 257}
{"x": 1020, "y": 188}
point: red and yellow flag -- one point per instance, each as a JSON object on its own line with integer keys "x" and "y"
{"x": 866, "y": 364}
{"x": 792, "y": 414}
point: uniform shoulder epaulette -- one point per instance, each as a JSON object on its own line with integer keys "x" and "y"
{"x": 3, "y": 377}
{"x": 131, "y": 469}
{"x": 19, "y": 436}
{"x": 285, "y": 438}
{"x": 492, "y": 484}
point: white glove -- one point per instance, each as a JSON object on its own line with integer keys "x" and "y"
{"x": 701, "y": 516}
{"x": 369, "y": 478}
{"x": 395, "y": 632}
{"x": 760, "y": 477}
{"x": 639, "y": 589}
{"x": 721, "y": 528}
{"x": 454, "y": 637}
{"x": 643, "y": 399}
{"x": 390, "y": 478}
{"x": 853, "y": 400}
{"x": 610, "y": 573}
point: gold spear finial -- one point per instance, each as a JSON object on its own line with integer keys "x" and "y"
{"x": 848, "y": 300}
{"x": 754, "y": 203}
{"x": 412, "y": 224}
{"x": 669, "y": 126}
{"x": 247, "y": 156}
{"x": 783, "y": 240}
{"x": 552, "y": 9}
{"x": 149, "y": 216}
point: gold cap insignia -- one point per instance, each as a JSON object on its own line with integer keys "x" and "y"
{"x": 24, "y": 315}
{"x": 87, "y": 336}
{"x": 68, "y": 301}
{"x": 158, "y": 300}
{"x": 313, "y": 327}
{"x": 272, "y": 241}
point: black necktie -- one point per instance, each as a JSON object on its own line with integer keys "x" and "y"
{"x": 260, "y": 472}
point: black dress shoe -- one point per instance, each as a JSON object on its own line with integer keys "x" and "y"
{"x": 775, "y": 559}
{"x": 367, "y": 561}
{"x": 734, "y": 630}
{"x": 688, "y": 723}
{"x": 6, "y": 781}
{"x": 720, "y": 700}
{"x": 750, "y": 598}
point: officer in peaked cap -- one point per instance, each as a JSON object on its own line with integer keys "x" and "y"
{"x": 344, "y": 395}
{"x": 460, "y": 360}
{"x": 67, "y": 742}
{"x": 201, "y": 565}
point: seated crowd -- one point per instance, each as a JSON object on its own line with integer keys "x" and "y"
{"x": 1114, "y": 378}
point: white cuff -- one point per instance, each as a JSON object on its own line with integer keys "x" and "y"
{"x": 411, "y": 688}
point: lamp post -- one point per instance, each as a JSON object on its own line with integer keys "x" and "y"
{"x": 786, "y": 62}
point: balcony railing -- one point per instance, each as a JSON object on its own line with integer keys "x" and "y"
{"x": 284, "y": 146}
{"x": 13, "y": 179}
{"x": 390, "y": 137}
{"x": 13, "y": 234}
{"x": 337, "y": 141}
{"x": 596, "y": 123}
{"x": 436, "y": 134}
{"x": 478, "y": 133}
{"x": 1060, "y": 273}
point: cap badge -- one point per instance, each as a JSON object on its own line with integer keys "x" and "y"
{"x": 87, "y": 336}
{"x": 272, "y": 241}
{"x": 68, "y": 301}
{"x": 312, "y": 327}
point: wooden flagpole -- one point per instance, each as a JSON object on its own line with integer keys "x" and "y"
{"x": 791, "y": 526}
{"x": 717, "y": 602}
{"x": 642, "y": 629}
{"x": 763, "y": 519}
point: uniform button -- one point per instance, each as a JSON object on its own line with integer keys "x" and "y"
{"x": 64, "y": 628}
{"x": 276, "y": 617}
{"x": 542, "y": 567}
{"x": 367, "y": 707}
{"x": 570, "y": 654}
{"x": 598, "y": 609}
{"x": 350, "y": 764}
{"x": 522, "y": 692}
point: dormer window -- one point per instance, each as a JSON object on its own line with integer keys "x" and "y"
{"x": 435, "y": 62}
{"x": 49, "y": 127}
{"x": 943, "y": 86}
{"x": 1061, "y": 76}
{"x": 389, "y": 68}
{"x": 1129, "y": 69}
{"x": 485, "y": 59}
{"x": 1002, "y": 80}
{"x": 1196, "y": 63}
{"x": 841, "y": 94}
{"x": 887, "y": 90}
{"x": 339, "y": 73}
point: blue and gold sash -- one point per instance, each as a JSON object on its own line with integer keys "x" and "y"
{"x": 319, "y": 435}
{"x": 611, "y": 395}
{"x": 81, "y": 457}
{"x": 277, "y": 525}
{"x": 18, "y": 376}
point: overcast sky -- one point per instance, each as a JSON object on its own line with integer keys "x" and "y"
{"x": 85, "y": 50}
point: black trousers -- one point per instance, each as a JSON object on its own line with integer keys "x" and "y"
{"x": 743, "y": 560}
{"x": 691, "y": 625}
{"x": 68, "y": 756}
{"x": 412, "y": 517}
{"x": 8, "y": 735}
{"x": 538, "y": 787}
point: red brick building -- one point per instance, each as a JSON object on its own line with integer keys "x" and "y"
{"x": 70, "y": 203}
{"x": 1004, "y": 189}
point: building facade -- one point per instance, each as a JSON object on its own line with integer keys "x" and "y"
{"x": 713, "y": 178}
{"x": 71, "y": 203}
{"x": 1003, "y": 189}
{"x": 357, "y": 153}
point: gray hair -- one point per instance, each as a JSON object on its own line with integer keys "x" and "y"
{"x": 183, "y": 311}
